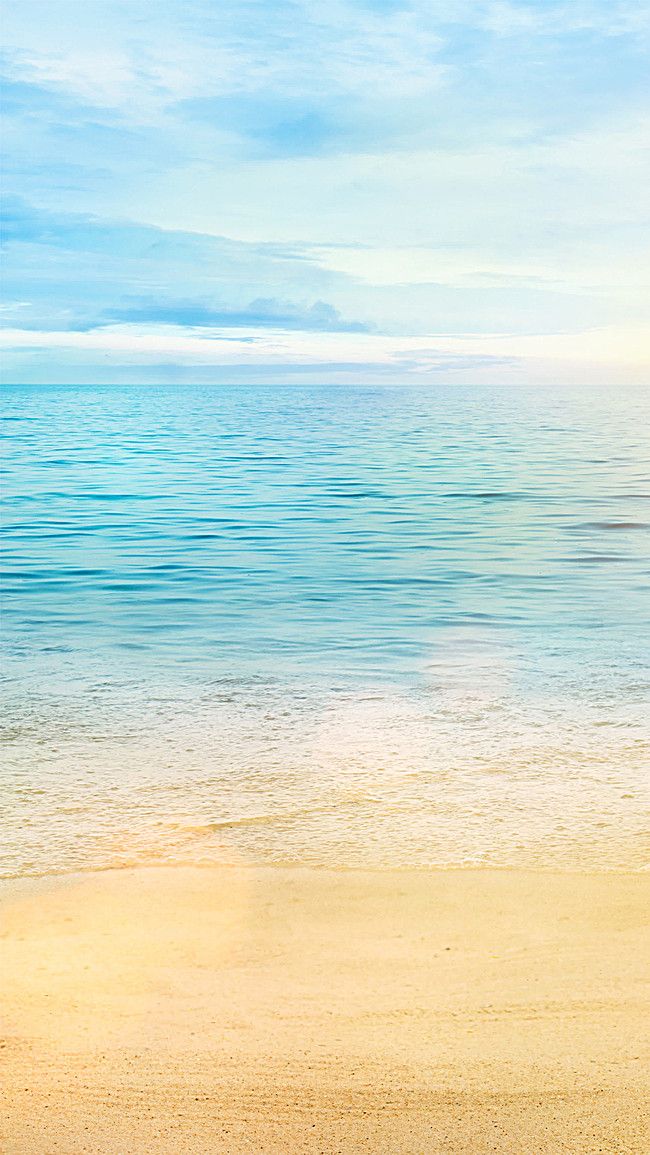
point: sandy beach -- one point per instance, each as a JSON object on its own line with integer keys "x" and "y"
{"x": 150, "y": 1012}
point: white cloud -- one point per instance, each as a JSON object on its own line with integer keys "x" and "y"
{"x": 129, "y": 60}
{"x": 572, "y": 210}
{"x": 597, "y": 354}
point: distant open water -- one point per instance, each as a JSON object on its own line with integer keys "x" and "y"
{"x": 342, "y": 626}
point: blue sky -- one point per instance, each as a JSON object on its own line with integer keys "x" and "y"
{"x": 207, "y": 190}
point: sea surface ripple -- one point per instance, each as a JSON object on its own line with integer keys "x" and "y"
{"x": 342, "y": 626}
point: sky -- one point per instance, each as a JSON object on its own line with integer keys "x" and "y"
{"x": 255, "y": 190}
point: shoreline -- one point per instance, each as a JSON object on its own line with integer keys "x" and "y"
{"x": 48, "y": 877}
{"x": 166, "y": 1009}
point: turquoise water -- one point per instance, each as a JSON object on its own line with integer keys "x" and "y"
{"x": 368, "y": 625}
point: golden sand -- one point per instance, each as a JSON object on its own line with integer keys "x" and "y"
{"x": 237, "y": 1010}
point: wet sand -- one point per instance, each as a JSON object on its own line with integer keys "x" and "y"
{"x": 234, "y": 1010}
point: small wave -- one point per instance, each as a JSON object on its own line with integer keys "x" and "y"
{"x": 616, "y": 525}
{"x": 253, "y": 820}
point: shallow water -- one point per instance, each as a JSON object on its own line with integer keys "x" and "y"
{"x": 369, "y": 625}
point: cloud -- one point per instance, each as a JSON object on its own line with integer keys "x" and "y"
{"x": 362, "y": 169}
{"x": 127, "y": 61}
{"x": 205, "y": 352}
{"x": 561, "y": 18}
{"x": 262, "y": 313}
{"x": 75, "y": 272}
{"x": 290, "y": 77}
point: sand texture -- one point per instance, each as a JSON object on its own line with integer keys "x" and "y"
{"x": 237, "y": 1010}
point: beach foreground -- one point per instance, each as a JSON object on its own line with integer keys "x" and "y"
{"x": 178, "y": 1010}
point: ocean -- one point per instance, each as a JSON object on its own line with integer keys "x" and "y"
{"x": 368, "y": 626}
